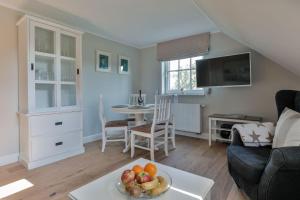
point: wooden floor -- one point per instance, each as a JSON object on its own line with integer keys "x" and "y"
{"x": 55, "y": 181}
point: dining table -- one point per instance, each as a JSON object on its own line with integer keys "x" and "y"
{"x": 138, "y": 111}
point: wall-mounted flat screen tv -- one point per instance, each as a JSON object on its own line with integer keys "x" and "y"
{"x": 227, "y": 71}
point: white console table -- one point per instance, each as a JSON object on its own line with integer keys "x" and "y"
{"x": 216, "y": 119}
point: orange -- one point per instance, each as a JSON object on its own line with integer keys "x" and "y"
{"x": 151, "y": 169}
{"x": 137, "y": 169}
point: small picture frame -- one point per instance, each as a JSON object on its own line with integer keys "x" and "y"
{"x": 103, "y": 61}
{"x": 124, "y": 65}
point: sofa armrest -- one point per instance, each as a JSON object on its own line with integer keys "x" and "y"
{"x": 281, "y": 177}
{"x": 236, "y": 138}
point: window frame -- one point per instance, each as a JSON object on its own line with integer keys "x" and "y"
{"x": 166, "y": 77}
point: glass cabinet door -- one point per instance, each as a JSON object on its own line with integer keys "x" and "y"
{"x": 68, "y": 46}
{"x": 44, "y": 40}
{"x": 68, "y": 83}
{"x": 45, "y": 96}
{"x": 68, "y": 70}
{"x": 45, "y": 85}
{"x": 68, "y": 95}
{"x": 45, "y": 68}
{"x": 55, "y": 68}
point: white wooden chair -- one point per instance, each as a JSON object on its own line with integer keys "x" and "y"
{"x": 110, "y": 126}
{"x": 158, "y": 128}
{"x": 171, "y": 130}
{"x": 172, "y": 134}
{"x": 133, "y": 101}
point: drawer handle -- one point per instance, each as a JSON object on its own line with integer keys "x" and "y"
{"x": 58, "y": 123}
{"x": 58, "y": 143}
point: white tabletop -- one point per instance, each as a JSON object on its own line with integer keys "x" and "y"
{"x": 185, "y": 186}
{"x": 131, "y": 110}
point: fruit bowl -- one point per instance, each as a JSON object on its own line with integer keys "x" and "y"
{"x": 157, "y": 185}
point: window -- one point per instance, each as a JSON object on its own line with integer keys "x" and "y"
{"x": 179, "y": 76}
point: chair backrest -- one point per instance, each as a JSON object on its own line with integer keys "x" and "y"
{"x": 101, "y": 112}
{"x": 133, "y": 99}
{"x": 162, "y": 110}
{"x": 287, "y": 98}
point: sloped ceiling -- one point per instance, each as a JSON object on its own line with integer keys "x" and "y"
{"x": 271, "y": 27}
{"x": 138, "y": 23}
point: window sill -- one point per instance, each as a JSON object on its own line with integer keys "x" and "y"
{"x": 188, "y": 93}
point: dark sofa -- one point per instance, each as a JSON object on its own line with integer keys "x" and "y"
{"x": 264, "y": 173}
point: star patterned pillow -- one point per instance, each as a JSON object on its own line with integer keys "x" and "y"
{"x": 256, "y": 134}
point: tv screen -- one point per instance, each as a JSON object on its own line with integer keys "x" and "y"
{"x": 225, "y": 71}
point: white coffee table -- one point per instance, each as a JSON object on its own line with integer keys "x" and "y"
{"x": 185, "y": 186}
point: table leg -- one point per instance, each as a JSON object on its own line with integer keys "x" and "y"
{"x": 127, "y": 140}
{"x": 139, "y": 119}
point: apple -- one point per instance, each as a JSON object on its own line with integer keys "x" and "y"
{"x": 135, "y": 191}
{"x": 143, "y": 177}
{"x": 127, "y": 176}
{"x": 130, "y": 185}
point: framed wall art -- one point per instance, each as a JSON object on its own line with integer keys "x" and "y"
{"x": 103, "y": 61}
{"x": 124, "y": 65}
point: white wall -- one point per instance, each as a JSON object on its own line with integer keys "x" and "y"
{"x": 150, "y": 73}
{"x": 9, "y": 128}
{"x": 268, "y": 77}
{"x": 113, "y": 86}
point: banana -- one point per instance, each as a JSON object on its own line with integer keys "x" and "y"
{"x": 151, "y": 184}
{"x": 162, "y": 187}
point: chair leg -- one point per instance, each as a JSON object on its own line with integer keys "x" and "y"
{"x": 132, "y": 144}
{"x": 173, "y": 136}
{"x": 103, "y": 140}
{"x": 166, "y": 142}
{"x": 148, "y": 142}
{"x": 126, "y": 141}
{"x": 152, "y": 147}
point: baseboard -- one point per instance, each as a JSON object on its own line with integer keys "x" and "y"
{"x": 193, "y": 135}
{"x": 49, "y": 160}
{"x": 8, "y": 159}
{"x": 91, "y": 138}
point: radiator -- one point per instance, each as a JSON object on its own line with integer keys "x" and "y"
{"x": 188, "y": 117}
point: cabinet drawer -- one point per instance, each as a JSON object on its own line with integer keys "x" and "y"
{"x": 43, "y": 147}
{"x": 55, "y": 123}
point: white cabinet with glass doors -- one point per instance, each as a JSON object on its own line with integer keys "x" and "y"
{"x": 49, "y": 82}
{"x": 53, "y": 74}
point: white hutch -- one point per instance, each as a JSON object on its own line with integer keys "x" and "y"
{"x": 49, "y": 92}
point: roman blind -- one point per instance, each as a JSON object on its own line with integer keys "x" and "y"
{"x": 186, "y": 47}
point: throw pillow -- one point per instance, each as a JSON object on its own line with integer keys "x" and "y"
{"x": 255, "y": 135}
{"x": 293, "y": 135}
{"x": 286, "y": 129}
